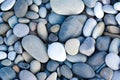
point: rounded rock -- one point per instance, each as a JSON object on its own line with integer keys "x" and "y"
{"x": 12, "y": 55}
{"x": 3, "y": 55}
{"x": 42, "y": 12}
{"x": 117, "y": 6}
{"x": 109, "y": 9}
{"x": 117, "y": 17}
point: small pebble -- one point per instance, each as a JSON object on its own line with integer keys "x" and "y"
{"x": 117, "y": 6}
{"x": 32, "y": 15}
{"x": 23, "y": 20}
{"x": 12, "y": 55}
{"x": 109, "y": 9}
{"x": 12, "y": 21}
{"x": 55, "y": 28}
{"x": 52, "y": 37}
{"x": 113, "y": 29}
{"x": 41, "y": 75}
{"x": 28, "y": 58}
{"x": 3, "y": 55}
{"x": 34, "y": 8}
{"x": 6, "y": 62}
{"x": 23, "y": 65}
{"x": 18, "y": 59}
{"x": 42, "y": 12}
{"x": 52, "y": 76}
{"x": 3, "y": 28}
{"x": 18, "y": 47}
{"x": 16, "y": 68}
{"x": 37, "y": 2}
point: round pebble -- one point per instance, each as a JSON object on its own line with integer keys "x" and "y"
{"x": 42, "y": 12}
{"x": 3, "y": 55}
{"x": 117, "y": 6}
{"x": 12, "y": 55}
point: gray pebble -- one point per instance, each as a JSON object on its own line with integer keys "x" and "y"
{"x": 3, "y": 48}
{"x": 18, "y": 47}
{"x": 12, "y": 55}
{"x": 3, "y": 28}
{"x": 7, "y": 15}
{"x": 109, "y": 9}
{"x": 90, "y": 3}
{"x": 12, "y": 21}
{"x": 52, "y": 76}
{"x": 43, "y": 12}
{"x": 53, "y": 37}
{"x": 37, "y": 2}
{"x": 6, "y": 62}
{"x": 41, "y": 75}
{"x": 23, "y": 65}
{"x": 32, "y": 15}
{"x": 23, "y": 20}
{"x": 34, "y": 8}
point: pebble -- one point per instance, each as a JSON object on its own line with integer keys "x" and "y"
{"x": 18, "y": 47}
{"x": 21, "y": 30}
{"x": 69, "y": 64}
{"x": 7, "y": 5}
{"x": 106, "y": 73}
{"x": 7, "y": 73}
{"x": 23, "y": 20}
{"x": 114, "y": 46}
{"x": 113, "y": 29}
{"x": 72, "y": 46}
{"x": 35, "y": 66}
{"x": 32, "y": 15}
{"x": 88, "y": 46}
{"x": 3, "y": 28}
{"x": 109, "y": 19}
{"x": 7, "y": 15}
{"x": 12, "y": 55}
{"x": 102, "y": 43}
{"x": 34, "y": 8}
{"x": 90, "y": 3}
{"x": 66, "y": 72}
{"x": 43, "y": 12}
{"x": 117, "y": 6}
{"x": 52, "y": 76}
{"x": 105, "y": 1}
{"x": 41, "y": 75}
{"x": 30, "y": 2}
{"x": 77, "y": 58}
{"x": 20, "y": 8}
{"x": 117, "y": 17}
{"x": 112, "y": 60}
{"x": 90, "y": 11}
{"x": 12, "y": 21}
{"x": 89, "y": 26}
{"x": 26, "y": 75}
{"x": 16, "y": 68}
{"x": 42, "y": 31}
{"x": 98, "y": 11}
{"x": 70, "y": 27}
{"x": 3, "y": 48}
{"x": 27, "y": 57}
{"x": 109, "y": 9}
{"x": 116, "y": 75}
{"x": 56, "y": 51}
{"x": 23, "y": 65}
{"x": 96, "y": 60}
{"x": 83, "y": 70}
{"x": 55, "y": 19}
{"x": 6, "y": 62}
{"x": 37, "y": 2}
{"x": 18, "y": 59}
{"x": 53, "y": 37}
{"x": 10, "y": 48}
{"x": 52, "y": 66}
{"x": 67, "y": 9}
{"x": 37, "y": 49}
{"x": 3, "y": 55}
{"x": 33, "y": 26}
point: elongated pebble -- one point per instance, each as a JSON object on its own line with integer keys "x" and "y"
{"x": 117, "y": 6}
{"x": 42, "y": 12}
{"x": 3, "y": 55}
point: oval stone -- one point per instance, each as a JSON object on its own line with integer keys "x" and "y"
{"x": 35, "y": 47}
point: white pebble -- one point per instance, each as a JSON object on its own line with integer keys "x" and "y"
{"x": 117, "y": 6}
{"x": 3, "y": 55}
{"x": 12, "y": 55}
{"x": 43, "y": 12}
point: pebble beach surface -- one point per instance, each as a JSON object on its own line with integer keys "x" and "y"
{"x": 59, "y": 39}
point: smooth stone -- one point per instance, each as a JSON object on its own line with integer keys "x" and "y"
{"x": 105, "y": 1}
{"x": 11, "y": 39}
{"x": 26, "y": 75}
{"x": 3, "y": 48}
{"x": 83, "y": 70}
{"x": 1, "y": 40}
{"x": 112, "y": 60}
{"x": 21, "y": 30}
{"x": 23, "y": 20}
{"x": 72, "y": 46}
{"x": 55, "y": 28}
{"x": 43, "y": 12}
{"x": 1, "y": 1}
{"x": 35, "y": 47}
{"x": 69, "y": 64}
{"x": 67, "y": 9}
{"x": 113, "y": 29}
{"x": 77, "y": 58}
{"x": 18, "y": 59}
{"x": 10, "y": 48}
{"x": 90, "y": 3}
{"x": 57, "y": 52}
{"x": 34, "y": 8}
{"x": 88, "y": 46}
{"x": 116, "y": 75}
{"x": 41, "y": 76}
{"x": 9, "y": 33}
{"x": 117, "y": 17}
{"x": 52, "y": 66}
{"x": 32, "y": 15}
{"x": 6, "y": 62}
{"x": 117, "y": 6}
{"x": 35, "y": 66}
{"x": 7, "y": 5}
{"x": 90, "y": 11}
{"x": 72, "y": 27}
{"x": 98, "y": 11}
{"x": 66, "y": 72}
{"x": 106, "y": 73}
{"x": 3, "y": 55}
{"x": 89, "y": 26}
{"x": 30, "y": 2}
{"x": 98, "y": 30}
{"x": 109, "y": 9}
{"x": 54, "y": 18}
{"x": 20, "y": 8}
{"x": 42, "y": 31}
{"x": 33, "y": 26}
{"x": 114, "y": 46}
{"x": 52, "y": 76}
{"x": 109, "y": 19}
{"x": 53, "y": 37}
{"x": 27, "y": 57}
{"x": 7, "y": 15}
{"x": 12, "y": 21}
{"x": 7, "y": 73}
{"x": 12, "y": 55}
{"x": 23, "y": 65}
{"x": 48, "y": 6}
{"x": 4, "y": 28}
{"x": 16, "y": 68}
{"x": 18, "y": 47}
{"x": 37, "y": 2}
{"x": 102, "y": 43}
{"x": 96, "y": 60}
